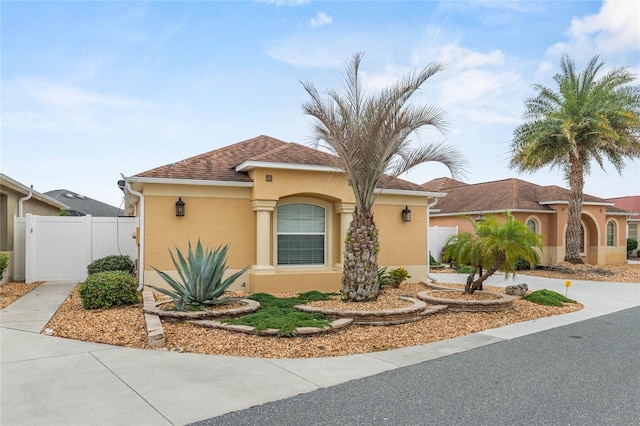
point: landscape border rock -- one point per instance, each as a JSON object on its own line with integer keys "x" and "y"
{"x": 248, "y": 307}
{"x": 300, "y": 331}
{"x": 383, "y": 317}
{"x": 502, "y": 302}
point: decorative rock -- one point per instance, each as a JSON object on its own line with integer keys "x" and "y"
{"x": 516, "y": 290}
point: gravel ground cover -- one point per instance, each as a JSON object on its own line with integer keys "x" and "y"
{"x": 126, "y": 327}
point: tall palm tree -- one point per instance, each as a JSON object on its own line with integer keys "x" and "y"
{"x": 494, "y": 246}
{"x": 370, "y": 135}
{"x": 584, "y": 119}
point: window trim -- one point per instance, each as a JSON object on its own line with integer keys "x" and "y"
{"x": 613, "y": 233}
{"x": 328, "y": 224}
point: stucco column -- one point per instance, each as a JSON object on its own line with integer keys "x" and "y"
{"x": 345, "y": 210}
{"x": 263, "y": 209}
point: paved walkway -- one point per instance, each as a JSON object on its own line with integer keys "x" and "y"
{"x": 53, "y": 381}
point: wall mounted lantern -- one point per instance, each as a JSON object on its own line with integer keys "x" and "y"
{"x": 406, "y": 214}
{"x": 480, "y": 217}
{"x": 180, "y": 207}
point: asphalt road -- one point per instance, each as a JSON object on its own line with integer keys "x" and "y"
{"x": 586, "y": 373}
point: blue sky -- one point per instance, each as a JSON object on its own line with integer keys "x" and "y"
{"x": 94, "y": 89}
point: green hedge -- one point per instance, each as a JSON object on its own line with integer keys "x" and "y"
{"x": 103, "y": 290}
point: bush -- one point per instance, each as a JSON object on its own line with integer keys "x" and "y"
{"x": 103, "y": 290}
{"x": 432, "y": 261}
{"x": 547, "y": 297}
{"x": 522, "y": 264}
{"x": 393, "y": 278}
{"x": 111, "y": 263}
{"x": 4, "y": 262}
{"x": 632, "y": 244}
{"x": 466, "y": 269}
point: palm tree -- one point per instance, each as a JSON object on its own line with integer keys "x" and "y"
{"x": 370, "y": 135}
{"x": 494, "y": 246}
{"x": 584, "y": 119}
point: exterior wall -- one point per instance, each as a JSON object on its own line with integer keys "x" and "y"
{"x": 552, "y": 226}
{"x": 217, "y": 216}
{"x": 220, "y": 215}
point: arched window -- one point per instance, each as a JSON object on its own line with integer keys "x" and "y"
{"x": 611, "y": 234}
{"x": 301, "y": 234}
{"x": 532, "y": 225}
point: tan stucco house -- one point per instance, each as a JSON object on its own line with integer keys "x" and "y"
{"x": 543, "y": 208}
{"x": 17, "y": 199}
{"x": 283, "y": 208}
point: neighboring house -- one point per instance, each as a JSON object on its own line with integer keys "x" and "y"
{"x": 283, "y": 208}
{"x": 543, "y": 208}
{"x": 17, "y": 199}
{"x": 632, "y": 204}
{"x": 80, "y": 205}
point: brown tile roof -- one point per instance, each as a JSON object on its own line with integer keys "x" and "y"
{"x": 630, "y": 203}
{"x": 220, "y": 164}
{"x": 443, "y": 183}
{"x": 507, "y": 194}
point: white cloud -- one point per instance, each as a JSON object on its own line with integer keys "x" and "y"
{"x": 32, "y": 103}
{"x": 614, "y": 29}
{"x": 286, "y": 2}
{"x": 320, "y": 20}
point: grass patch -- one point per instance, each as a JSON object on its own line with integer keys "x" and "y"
{"x": 547, "y": 297}
{"x": 278, "y": 313}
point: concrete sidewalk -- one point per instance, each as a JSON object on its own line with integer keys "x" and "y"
{"x": 53, "y": 381}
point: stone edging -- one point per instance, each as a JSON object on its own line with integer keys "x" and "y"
{"x": 248, "y": 307}
{"x": 503, "y": 302}
{"x": 384, "y": 317}
{"x": 300, "y": 331}
{"x": 155, "y": 332}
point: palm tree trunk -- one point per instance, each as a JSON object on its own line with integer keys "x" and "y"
{"x": 576, "y": 195}
{"x": 477, "y": 284}
{"x": 360, "y": 270}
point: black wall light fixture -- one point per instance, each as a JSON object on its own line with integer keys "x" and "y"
{"x": 406, "y": 214}
{"x": 180, "y": 207}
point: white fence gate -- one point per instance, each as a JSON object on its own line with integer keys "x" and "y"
{"x": 438, "y": 236}
{"x": 59, "y": 248}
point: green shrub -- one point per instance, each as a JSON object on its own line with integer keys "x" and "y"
{"x": 392, "y": 278}
{"x": 433, "y": 261}
{"x": 522, "y": 264}
{"x": 547, "y": 297}
{"x": 201, "y": 280}
{"x": 466, "y": 269}
{"x": 632, "y": 244}
{"x": 4, "y": 262}
{"x": 103, "y": 290}
{"x": 111, "y": 263}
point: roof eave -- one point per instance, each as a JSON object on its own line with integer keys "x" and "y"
{"x": 250, "y": 165}
{"x": 201, "y": 182}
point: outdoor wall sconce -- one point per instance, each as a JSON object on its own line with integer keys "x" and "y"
{"x": 180, "y": 207}
{"x": 406, "y": 214}
{"x": 480, "y": 217}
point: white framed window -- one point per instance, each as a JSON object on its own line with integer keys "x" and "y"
{"x": 532, "y": 225}
{"x": 611, "y": 234}
{"x": 301, "y": 234}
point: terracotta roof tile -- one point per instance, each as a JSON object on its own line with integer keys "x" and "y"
{"x": 220, "y": 164}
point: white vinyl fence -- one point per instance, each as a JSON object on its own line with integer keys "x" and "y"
{"x": 438, "y": 236}
{"x": 59, "y": 248}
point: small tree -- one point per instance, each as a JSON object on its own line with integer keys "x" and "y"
{"x": 493, "y": 246}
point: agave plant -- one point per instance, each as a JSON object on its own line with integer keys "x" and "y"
{"x": 201, "y": 280}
